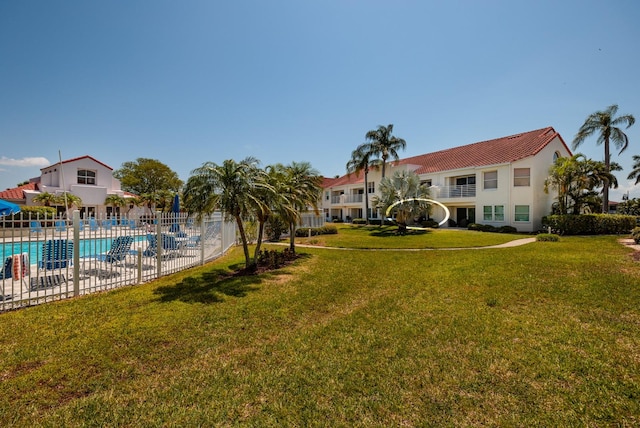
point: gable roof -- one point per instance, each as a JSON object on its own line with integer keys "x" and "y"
{"x": 77, "y": 159}
{"x": 491, "y": 152}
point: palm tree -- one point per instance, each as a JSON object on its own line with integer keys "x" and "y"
{"x": 605, "y": 125}
{"x": 361, "y": 160}
{"x": 575, "y": 179}
{"x": 635, "y": 173}
{"x": 401, "y": 186}
{"x": 46, "y": 198}
{"x": 230, "y": 187}
{"x": 381, "y": 143}
{"x": 300, "y": 188}
{"x": 115, "y": 201}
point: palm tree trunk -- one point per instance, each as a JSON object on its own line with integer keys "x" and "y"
{"x": 292, "y": 237}
{"x": 605, "y": 191}
{"x": 245, "y": 246}
{"x": 366, "y": 197}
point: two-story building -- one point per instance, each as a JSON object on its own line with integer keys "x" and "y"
{"x": 498, "y": 182}
{"x": 85, "y": 177}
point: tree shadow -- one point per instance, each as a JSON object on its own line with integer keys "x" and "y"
{"x": 383, "y": 233}
{"x": 210, "y": 287}
{"x": 213, "y": 285}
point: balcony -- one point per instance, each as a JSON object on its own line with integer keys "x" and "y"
{"x": 347, "y": 199}
{"x": 456, "y": 191}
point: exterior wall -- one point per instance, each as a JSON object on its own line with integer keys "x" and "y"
{"x": 468, "y": 198}
{"x": 92, "y": 195}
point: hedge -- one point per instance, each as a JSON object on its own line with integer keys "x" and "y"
{"x": 589, "y": 224}
{"x": 303, "y": 232}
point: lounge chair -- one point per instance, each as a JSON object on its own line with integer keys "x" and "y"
{"x": 93, "y": 224}
{"x": 119, "y": 250}
{"x": 35, "y": 227}
{"x": 7, "y": 268}
{"x": 170, "y": 246}
{"x": 61, "y": 226}
{"x": 57, "y": 254}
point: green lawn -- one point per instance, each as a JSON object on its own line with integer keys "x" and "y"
{"x": 376, "y": 237}
{"x": 546, "y": 334}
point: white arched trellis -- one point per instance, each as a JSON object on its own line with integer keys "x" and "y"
{"x": 446, "y": 210}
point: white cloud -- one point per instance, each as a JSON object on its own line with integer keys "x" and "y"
{"x": 25, "y": 162}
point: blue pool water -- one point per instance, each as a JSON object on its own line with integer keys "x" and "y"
{"x": 34, "y": 248}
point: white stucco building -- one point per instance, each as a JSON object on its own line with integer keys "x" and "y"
{"x": 498, "y": 182}
{"x": 84, "y": 176}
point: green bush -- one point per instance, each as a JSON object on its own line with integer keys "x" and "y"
{"x": 507, "y": 229}
{"x": 359, "y": 221}
{"x": 303, "y": 232}
{"x": 483, "y": 227}
{"x": 430, "y": 223}
{"x": 635, "y": 234}
{"x": 589, "y": 224}
{"x": 547, "y": 237}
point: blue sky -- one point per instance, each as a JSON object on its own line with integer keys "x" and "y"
{"x": 193, "y": 81}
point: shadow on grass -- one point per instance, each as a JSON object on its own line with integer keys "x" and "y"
{"x": 213, "y": 285}
{"x": 393, "y": 231}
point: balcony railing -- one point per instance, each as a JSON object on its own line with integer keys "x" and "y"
{"x": 457, "y": 191}
{"x": 347, "y": 199}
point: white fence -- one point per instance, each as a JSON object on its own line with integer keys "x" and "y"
{"x": 51, "y": 259}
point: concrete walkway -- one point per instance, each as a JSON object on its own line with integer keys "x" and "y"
{"x": 514, "y": 243}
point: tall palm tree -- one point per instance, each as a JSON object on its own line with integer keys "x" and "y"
{"x": 361, "y": 160}
{"x": 605, "y": 124}
{"x": 635, "y": 173}
{"x": 231, "y": 188}
{"x": 381, "y": 143}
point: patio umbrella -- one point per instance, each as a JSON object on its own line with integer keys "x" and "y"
{"x": 175, "y": 210}
{"x": 7, "y": 208}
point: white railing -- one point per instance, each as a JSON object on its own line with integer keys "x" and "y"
{"x": 456, "y": 191}
{"x": 347, "y": 199}
{"x": 54, "y": 258}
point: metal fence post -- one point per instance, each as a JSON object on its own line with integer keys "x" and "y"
{"x": 158, "y": 244}
{"x": 76, "y": 253}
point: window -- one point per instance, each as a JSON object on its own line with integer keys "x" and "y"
{"x": 556, "y": 156}
{"x": 493, "y": 213}
{"x": 522, "y": 213}
{"x": 491, "y": 180}
{"x": 326, "y": 196}
{"x": 521, "y": 176}
{"x": 487, "y": 213}
{"x": 426, "y": 183}
{"x": 371, "y": 187}
{"x": 86, "y": 176}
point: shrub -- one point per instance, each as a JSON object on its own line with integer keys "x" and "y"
{"x": 482, "y": 227}
{"x": 635, "y": 234}
{"x": 589, "y": 224}
{"x": 359, "y": 221}
{"x": 303, "y": 232}
{"x": 547, "y": 237}
{"x": 430, "y": 223}
{"x": 507, "y": 229}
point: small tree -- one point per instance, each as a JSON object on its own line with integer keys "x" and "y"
{"x": 403, "y": 186}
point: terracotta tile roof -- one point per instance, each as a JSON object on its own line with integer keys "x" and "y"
{"x": 17, "y": 193}
{"x": 491, "y": 152}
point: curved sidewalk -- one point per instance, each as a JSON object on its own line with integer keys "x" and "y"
{"x": 514, "y": 243}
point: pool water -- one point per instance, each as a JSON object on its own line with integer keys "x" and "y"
{"x": 34, "y": 248}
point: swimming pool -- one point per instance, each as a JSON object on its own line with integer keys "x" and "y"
{"x": 34, "y": 248}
